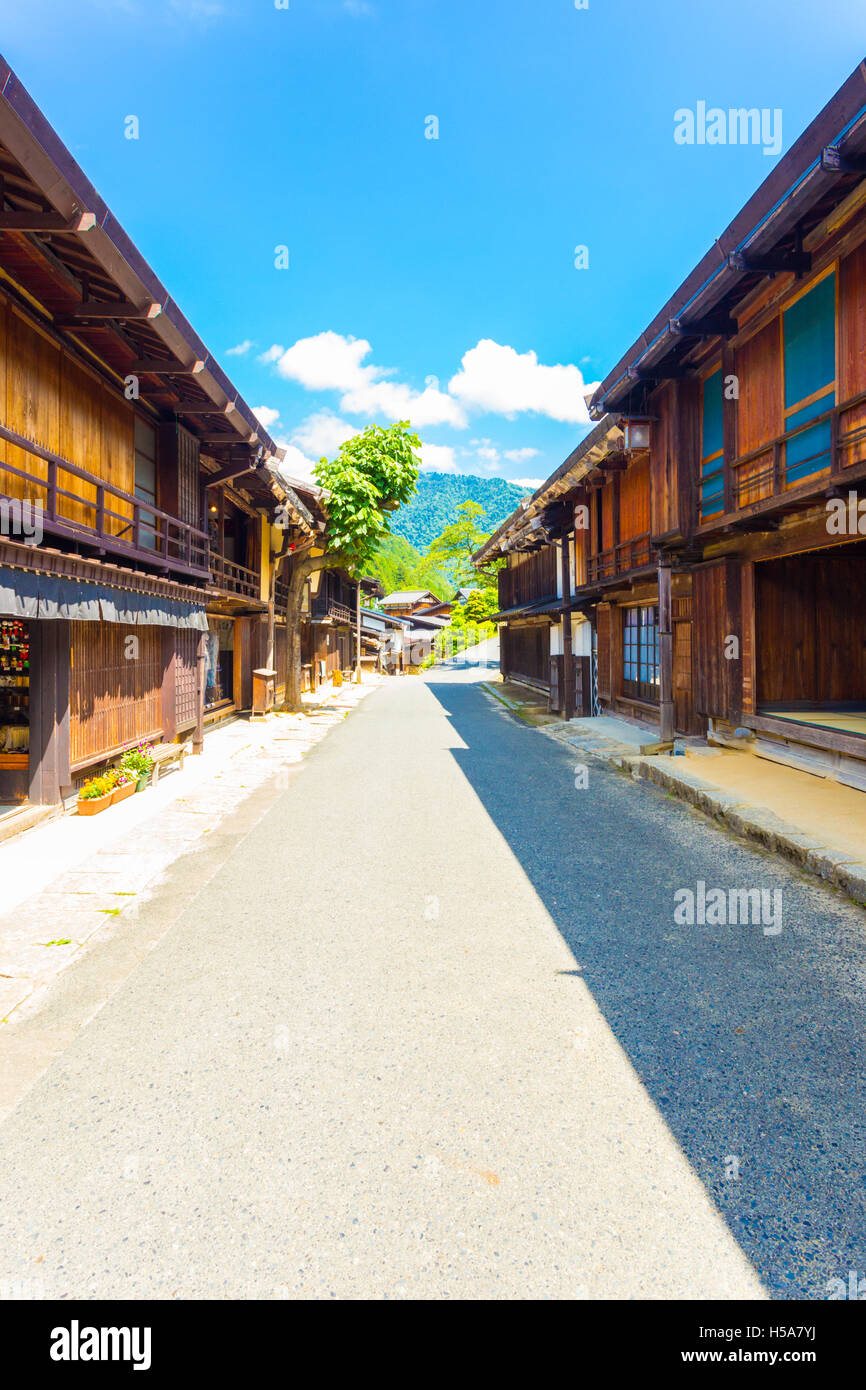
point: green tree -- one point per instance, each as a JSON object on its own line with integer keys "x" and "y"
{"x": 481, "y": 603}
{"x": 373, "y": 474}
{"x": 457, "y": 544}
{"x": 398, "y": 565}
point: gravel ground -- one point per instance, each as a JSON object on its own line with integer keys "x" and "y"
{"x": 431, "y": 1030}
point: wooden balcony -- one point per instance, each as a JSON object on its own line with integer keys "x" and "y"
{"x": 792, "y": 468}
{"x": 530, "y": 580}
{"x": 633, "y": 554}
{"x": 83, "y": 508}
{"x": 329, "y": 610}
{"x": 233, "y": 578}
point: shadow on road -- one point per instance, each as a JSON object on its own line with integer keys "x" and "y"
{"x": 749, "y": 1044}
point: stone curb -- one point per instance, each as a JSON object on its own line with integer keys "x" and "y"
{"x": 748, "y": 821}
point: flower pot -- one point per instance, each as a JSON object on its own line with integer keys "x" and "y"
{"x": 121, "y": 793}
{"x": 142, "y": 781}
{"x": 92, "y": 805}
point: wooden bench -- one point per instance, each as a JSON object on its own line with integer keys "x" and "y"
{"x": 167, "y": 753}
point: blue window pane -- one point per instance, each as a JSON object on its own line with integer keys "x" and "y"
{"x": 808, "y": 452}
{"x": 712, "y": 415}
{"x": 810, "y": 342}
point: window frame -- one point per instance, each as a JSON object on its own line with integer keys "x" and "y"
{"x": 640, "y": 655}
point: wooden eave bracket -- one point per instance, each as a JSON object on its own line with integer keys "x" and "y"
{"x": 833, "y": 161}
{"x": 46, "y": 222}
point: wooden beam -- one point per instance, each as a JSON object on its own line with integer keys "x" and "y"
{"x": 231, "y": 470}
{"x": 772, "y": 262}
{"x": 46, "y": 222}
{"x": 111, "y": 309}
{"x": 660, "y": 373}
{"x": 202, "y": 408}
{"x": 833, "y": 161}
{"x": 613, "y": 464}
{"x": 160, "y": 366}
{"x": 712, "y": 326}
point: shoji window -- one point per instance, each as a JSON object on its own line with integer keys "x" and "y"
{"x": 809, "y": 346}
{"x": 145, "y": 480}
{"x": 712, "y": 471}
{"x": 640, "y": 653}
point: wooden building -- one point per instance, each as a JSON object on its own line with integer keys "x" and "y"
{"x": 138, "y": 514}
{"x": 405, "y": 603}
{"x": 718, "y": 542}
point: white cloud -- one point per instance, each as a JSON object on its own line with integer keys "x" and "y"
{"x": 266, "y": 415}
{"x": 331, "y": 362}
{"x": 358, "y": 7}
{"x": 322, "y": 434}
{"x": 494, "y": 377}
{"x": 240, "y": 349}
{"x": 399, "y": 402}
{"x": 325, "y": 362}
{"x": 520, "y": 455}
{"x": 527, "y": 482}
{"x": 438, "y": 458}
{"x": 296, "y": 464}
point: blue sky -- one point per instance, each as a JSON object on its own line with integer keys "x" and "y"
{"x": 428, "y": 278}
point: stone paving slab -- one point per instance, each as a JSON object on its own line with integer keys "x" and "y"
{"x": 84, "y": 901}
{"x": 737, "y": 813}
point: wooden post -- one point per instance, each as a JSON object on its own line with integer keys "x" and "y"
{"x": 201, "y": 663}
{"x": 567, "y": 660}
{"x": 168, "y": 694}
{"x": 667, "y": 713}
{"x": 729, "y": 431}
{"x": 358, "y": 632}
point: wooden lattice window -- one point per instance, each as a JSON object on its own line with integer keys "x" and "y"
{"x": 640, "y": 653}
{"x": 115, "y": 688}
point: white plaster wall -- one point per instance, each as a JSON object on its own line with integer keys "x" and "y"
{"x": 581, "y": 637}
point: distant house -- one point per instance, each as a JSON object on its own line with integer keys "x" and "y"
{"x": 462, "y": 594}
{"x": 404, "y": 603}
{"x": 383, "y": 640}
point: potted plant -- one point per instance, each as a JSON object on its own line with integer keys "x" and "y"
{"x": 138, "y": 765}
{"x": 124, "y": 785}
{"x": 95, "y": 795}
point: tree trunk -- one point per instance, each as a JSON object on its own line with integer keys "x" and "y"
{"x": 302, "y": 568}
{"x": 293, "y": 700}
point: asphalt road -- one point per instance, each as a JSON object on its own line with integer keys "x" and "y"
{"x": 431, "y": 1030}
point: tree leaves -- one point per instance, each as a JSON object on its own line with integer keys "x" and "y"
{"x": 373, "y": 473}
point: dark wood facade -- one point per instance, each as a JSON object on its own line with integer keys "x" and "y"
{"x": 719, "y": 553}
{"x": 137, "y": 509}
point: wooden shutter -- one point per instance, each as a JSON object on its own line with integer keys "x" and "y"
{"x": 604, "y": 650}
{"x": 716, "y": 617}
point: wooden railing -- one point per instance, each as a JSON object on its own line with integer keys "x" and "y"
{"x": 326, "y": 607}
{"x": 139, "y": 531}
{"x": 281, "y": 594}
{"x": 532, "y": 578}
{"x": 234, "y": 578}
{"x": 620, "y": 559}
{"x": 767, "y": 472}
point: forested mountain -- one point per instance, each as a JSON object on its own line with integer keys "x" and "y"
{"x": 435, "y": 504}
{"x": 398, "y": 565}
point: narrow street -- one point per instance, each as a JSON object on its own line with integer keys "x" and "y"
{"x": 431, "y": 1030}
